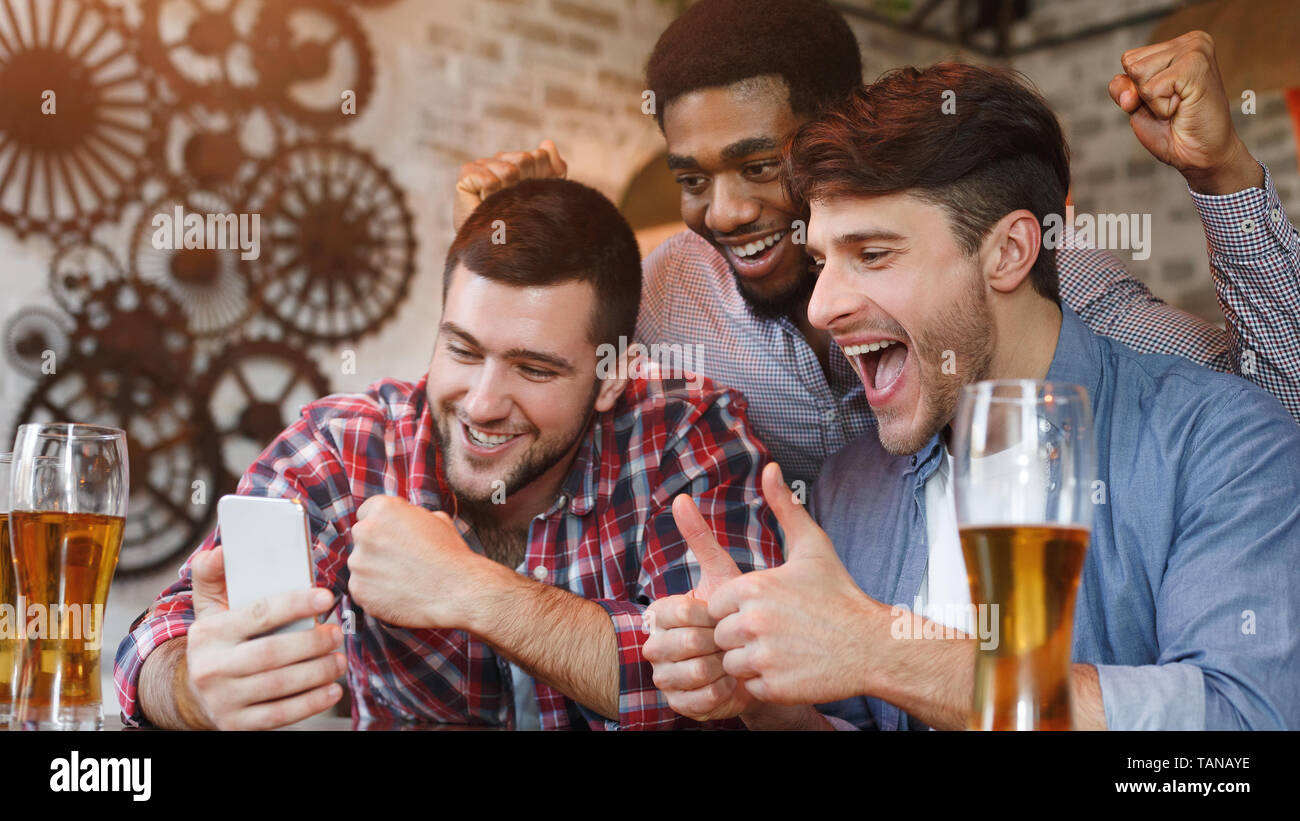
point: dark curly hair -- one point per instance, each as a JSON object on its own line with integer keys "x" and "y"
{"x": 720, "y": 42}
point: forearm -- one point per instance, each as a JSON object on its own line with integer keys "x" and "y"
{"x": 165, "y": 696}
{"x": 562, "y": 640}
{"x": 934, "y": 680}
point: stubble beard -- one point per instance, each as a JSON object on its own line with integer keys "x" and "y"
{"x": 965, "y": 328}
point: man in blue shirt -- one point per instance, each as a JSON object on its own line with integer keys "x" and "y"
{"x": 928, "y": 232}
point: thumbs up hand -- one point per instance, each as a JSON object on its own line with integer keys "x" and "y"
{"x": 800, "y": 633}
{"x": 687, "y": 664}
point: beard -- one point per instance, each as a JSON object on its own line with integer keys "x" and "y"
{"x": 783, "y": 302}
{"x": 541, "y": 456}
{"x": 965, "y": 328}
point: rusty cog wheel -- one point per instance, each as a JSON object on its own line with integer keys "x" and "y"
{"x": 214, "y": 286}
{"x": 78, "y": 269}
{"x": 202, "y": 49}
{"x": 174, "y": 461}
{"x": 338, "y": 249}
{"x": 37, "y": 340}
{"x": 137, "y": 325}
{"x": 78, "y": 116}
{"x": 252, "y": 391}
{"x": 292, "y": 59}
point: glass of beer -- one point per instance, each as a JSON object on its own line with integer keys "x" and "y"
{"x": 9, "y": 618}
{"x": 68, "y": 498}
{"x": 1024, "y": 461}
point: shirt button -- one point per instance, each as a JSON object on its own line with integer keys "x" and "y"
{"x": 539, "y": 573}
{"x": 1247, "y": 225}
{"x": 913, "y": 461}
{"x": 1275, "y": 215}
{"x": 829, "y": 415}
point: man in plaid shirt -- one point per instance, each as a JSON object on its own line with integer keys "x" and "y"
{"x": 495, "y": 530}
{"x": 732, "y": 78}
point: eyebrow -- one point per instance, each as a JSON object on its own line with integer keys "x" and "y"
{"x": 734, "y": 151}
{"x": 558, "y": 362}
{"x": 857, "y": 238}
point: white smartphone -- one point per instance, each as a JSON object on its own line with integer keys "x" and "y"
{"x": 267, "y": 547}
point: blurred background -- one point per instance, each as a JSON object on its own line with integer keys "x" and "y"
{"x": 344, "y": 123}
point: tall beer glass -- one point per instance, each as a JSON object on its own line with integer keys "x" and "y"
{"x": 69, "y": 492}
{"x": 9, "y": 619}
{"x": 1024, "y": 461}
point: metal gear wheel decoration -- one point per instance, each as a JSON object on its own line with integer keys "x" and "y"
{"x": 253, "y": 391}
{"x": 79, "y": 269}
{"x": 136, "y": 324}
{"x": 78, "y": 114}
{"x": 201, "y": 48}
{"x": 31, "y": 335}
{"x": 172, "y": 451}
{"x": 338, "y": 248}
{"x": 306, "y": 53}
{"x": 214, "y": 286}
{"x": 215, "y": 150}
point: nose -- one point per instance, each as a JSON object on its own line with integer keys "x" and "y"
{"x": 729, "y": 208}
{"x": 833, "y": 298}
{"x": 488, "y": 399}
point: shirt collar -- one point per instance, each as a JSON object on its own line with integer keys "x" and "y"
{"x": 1078, "y": 357}
{"x": 1077, "y": 361}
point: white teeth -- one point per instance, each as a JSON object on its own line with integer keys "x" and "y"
{"x": 487, "y": 440}
{"x": 859, "y": 350}
{"x": 758, "y": 245}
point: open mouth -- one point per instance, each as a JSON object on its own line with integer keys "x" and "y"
{"x": 754, "y": 258}
{"x": 486, "y": 441}
{"x": 879, "y": 365}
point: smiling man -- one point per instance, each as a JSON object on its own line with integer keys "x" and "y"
{"x": 926, "y": 229}
{"x": 496, "y": 529}
{"x": 732, "y": 79}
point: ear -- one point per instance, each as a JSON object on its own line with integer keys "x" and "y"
{"x": 1010, "y": 250}
{"x": 612, "y": 383}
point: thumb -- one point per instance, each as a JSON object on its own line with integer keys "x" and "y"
{"x": 803, "y": 538}
{"x": 716, "y": 565}
{"x": 208, "y": 581}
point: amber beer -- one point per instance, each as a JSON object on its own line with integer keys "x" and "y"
{"x": 1031, "y": 572}
{"x": 66, "y": 563}
{"x": 8, "y": 627}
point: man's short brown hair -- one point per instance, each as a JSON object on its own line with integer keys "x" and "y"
{"x": 977, "y": 141}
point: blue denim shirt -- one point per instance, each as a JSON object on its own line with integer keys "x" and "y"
{"x": 1189, "y": 603}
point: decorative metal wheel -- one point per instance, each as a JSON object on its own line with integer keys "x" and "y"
{"x": 79, "y": 269}
{"x": 305, "y": 52}
{"x": 253, "y": 391}
{"x": 201, "y": 48}
{"x": 210, "y": 149}
{"x": 78, "y": 111}
{"x": 213, "y": 285}
{"x": 35, "y": 336}
{"x": 136, "y": 324}
{"x": 171, "y": 448}
{"x": 338, "y": 250}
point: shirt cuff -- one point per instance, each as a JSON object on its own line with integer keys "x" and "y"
{"x": 640, "y": 704}
{"x": 145, "y": 637}
{"x": 1245, "y": 224}
{"x": 1153, "y": 697}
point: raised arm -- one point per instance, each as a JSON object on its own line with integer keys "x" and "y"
{"x": 1179, "y": 112}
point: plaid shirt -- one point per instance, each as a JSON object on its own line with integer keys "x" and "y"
{"x": 804, "y": 414}
{"x": 609, "y": 537}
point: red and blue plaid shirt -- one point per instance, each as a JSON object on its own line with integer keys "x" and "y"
{"x": 609, "y": 537}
